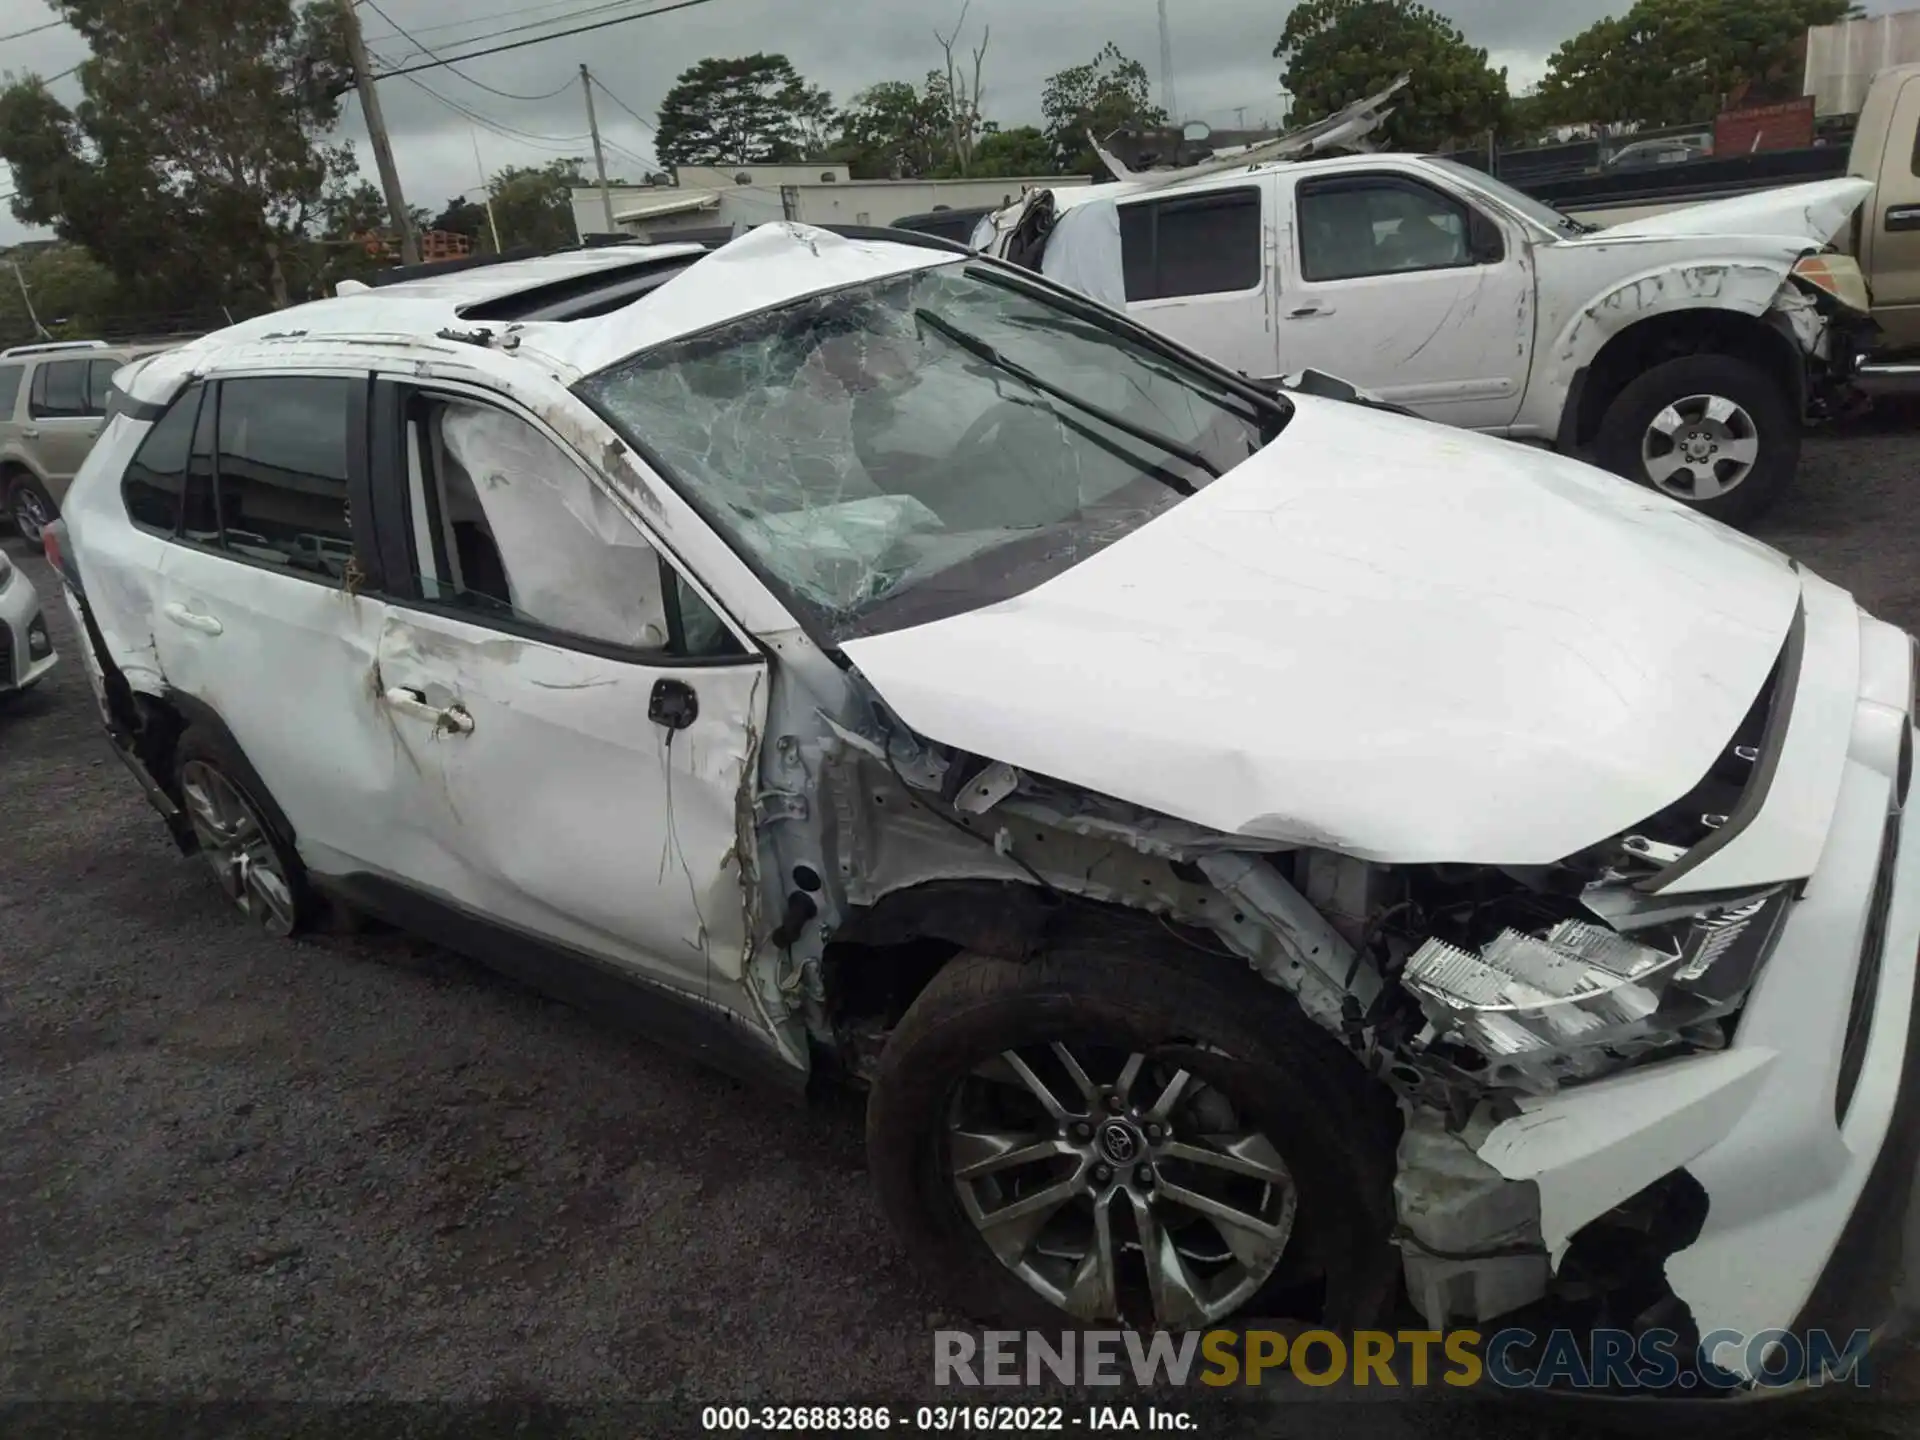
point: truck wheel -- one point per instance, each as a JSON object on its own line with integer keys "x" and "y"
{"x": 240, "y": 837}
{"x": 1119, "y": 1132}
{"x": 1716, "y": 433}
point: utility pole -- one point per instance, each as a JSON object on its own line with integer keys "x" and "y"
{"x": 377, "y": 133}
{"x": 38, "y": 328}
{"x": 486, "y": 190}
{"x": 1240, "y": 117}
{"x": 1167, "y": 102}
{"x": 599, "y": 155}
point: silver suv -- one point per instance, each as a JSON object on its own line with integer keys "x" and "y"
{"x": 53, "y": 405}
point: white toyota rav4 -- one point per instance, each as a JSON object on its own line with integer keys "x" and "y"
{"x": 1258, "y": 850}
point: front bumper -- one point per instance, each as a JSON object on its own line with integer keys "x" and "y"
{"x": 26, "y": 644}
{"x": 1804, "y": 1133}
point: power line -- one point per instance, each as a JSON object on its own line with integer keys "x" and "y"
{"x": 542, "y": 39}
{"x": 492, "y": 90}
{"x": 523, "y": 136}
{"x": 585, "y": 10}
{"x": 504, "y": 15}
{"x": 645, "y": 123}
{"x": 32, "y": 30}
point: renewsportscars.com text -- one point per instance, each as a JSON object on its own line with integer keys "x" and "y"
{"x": 1515, "y": 1358}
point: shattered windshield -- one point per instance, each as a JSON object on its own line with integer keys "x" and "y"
{"x": 925, "y": 444}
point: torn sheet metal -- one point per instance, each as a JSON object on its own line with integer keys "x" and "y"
{"x": 767, "y": 267}
{"x": 1415, "y": 652}
{"x": 1815, "y": 212}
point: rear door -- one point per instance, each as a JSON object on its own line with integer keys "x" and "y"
{"x": 1198, "y": 268}
{"x": 260, "y": 617}
{"x": 63, "y": 419}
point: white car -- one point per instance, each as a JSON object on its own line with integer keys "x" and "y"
{"x": 1256, "y": 848}
{"x": 26, "y": 646}
{"x": 1682, "y": 351}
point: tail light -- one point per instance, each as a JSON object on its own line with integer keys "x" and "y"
{"x": 50, "y": 547}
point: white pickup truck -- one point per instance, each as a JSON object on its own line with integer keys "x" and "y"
{"x": 1683, "y": 351}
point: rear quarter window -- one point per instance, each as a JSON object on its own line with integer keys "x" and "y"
{"x": 10, "y": 377}
{"x": 157, "y": 475}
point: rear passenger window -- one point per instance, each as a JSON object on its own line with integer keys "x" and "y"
{"x": 152, "y": 486}
{"x": 1191, "y": 245}
{"x": 282, "y": 458}
{"x": 10, "y": 389}
{"x": 59, "y": 390}
{"x": 199, "y": 513}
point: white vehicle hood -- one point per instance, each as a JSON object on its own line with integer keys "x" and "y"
{"x": 1379, "y": 635}
{"x": 1814, "y": 212}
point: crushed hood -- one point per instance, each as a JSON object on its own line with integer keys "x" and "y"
{"x": 1384, "y": 636}
{"x": 1814, "y": 212}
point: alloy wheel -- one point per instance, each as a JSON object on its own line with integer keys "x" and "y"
{"x": 1700, "y": 447}
{"x": 30, "y": 515}
{"x": 233, "y": 837}
{"x": 1116, "y": 1187}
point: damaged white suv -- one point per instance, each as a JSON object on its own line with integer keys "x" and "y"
{"x": 1255, "y": 847}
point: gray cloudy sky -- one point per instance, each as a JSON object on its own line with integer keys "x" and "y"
{"x": 1221, "y": 61}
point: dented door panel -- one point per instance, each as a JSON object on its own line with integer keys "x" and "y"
{"x": 560, "y": 806}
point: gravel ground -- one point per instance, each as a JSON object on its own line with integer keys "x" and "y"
{"x": 239, "y": 1169}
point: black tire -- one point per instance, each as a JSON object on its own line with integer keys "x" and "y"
{"x": 204, "y": 746}
{"x": 1335, "y": 1129}
{"x": 23, "y": 491}
{"x": 1753, "y": 389}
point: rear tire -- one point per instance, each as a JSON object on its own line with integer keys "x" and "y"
{"x": 1239, "y": 1039}
{"x": 30, "y": 507}
{"x": 1688, "y": 427}
{"x": 241, "y": 833}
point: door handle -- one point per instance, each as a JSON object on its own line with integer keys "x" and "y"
{"x": 1308, "y": 309}
{"x": 453, "y": 720}
{"x": 181, "y": 615}
{"x": 1903, "y": 217}
{"x": 30, "y": 432}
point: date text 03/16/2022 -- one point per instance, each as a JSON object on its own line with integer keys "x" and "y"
{"x": 943, "y": 1419}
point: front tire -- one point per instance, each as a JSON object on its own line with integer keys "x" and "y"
{"x": 1716, "y": 433}
{"x": 1122, "y": 1132}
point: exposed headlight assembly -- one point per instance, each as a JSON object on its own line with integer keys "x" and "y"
{"x": 1579, "y": 999}
{"x": 6, "y": 570}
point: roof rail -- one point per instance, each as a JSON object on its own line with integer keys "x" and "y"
{"x": 50, "y": 347}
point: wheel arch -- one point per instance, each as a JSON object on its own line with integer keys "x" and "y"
{"x": 1670, "y": 335}
{"x": 169, "y": 717}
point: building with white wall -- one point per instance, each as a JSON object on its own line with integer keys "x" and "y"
{"x": 819, "y": 194}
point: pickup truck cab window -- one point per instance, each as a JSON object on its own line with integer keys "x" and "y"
{"x": 1206, "y": 244}
{"x": 1385, "y": 224}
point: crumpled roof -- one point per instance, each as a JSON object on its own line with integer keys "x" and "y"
{"x": 769, "y": 266}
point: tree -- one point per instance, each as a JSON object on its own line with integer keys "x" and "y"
{"x": 1339, "y": 51}
{"x": 74, "y": 296}
{"x": 961, "y": 92}
{"x": 1023, "y": 150}
{"x": 195, "y": 164}
{"x": 893, "y": 131}
{"x": 532, "y": 204}
{"x": 1108, "y": 93}
{"x": 465, "y": 217}
{"x": 1673, "y": 62}
{"x": 753, "y": 110}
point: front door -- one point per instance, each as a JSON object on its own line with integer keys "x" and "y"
{"x": 1198, "y": 268}
{"x": 580, "y": 722}
{"x": 1408, "y": 291}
